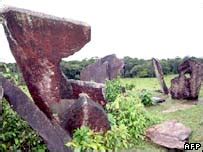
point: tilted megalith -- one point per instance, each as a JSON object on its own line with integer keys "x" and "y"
{"x": 55, "y": 137}
{"x": 107, "y": 68}
{"x": 38, "y": 43}
{"x": 187, "y": 84}
{"x": 160, "y": 75}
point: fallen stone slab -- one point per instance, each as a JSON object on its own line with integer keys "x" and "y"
{"x": 187, "y": 85}
{"x": 160, "y": 75}
{"x": 106, "y": 68}
{"x": 96, "y": 91}
{"x": 170, "y": 134}
{"x": 54, "y": 136}
{"x": 38, "y": 43}
{"x": 86, "y": 112}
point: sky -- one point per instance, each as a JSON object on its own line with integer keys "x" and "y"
{"x": 135, "y": 28}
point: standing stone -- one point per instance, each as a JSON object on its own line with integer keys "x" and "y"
{"x": 160, "y": 76}
{"x": 38, "y": 43}
{"x": 54, "y": 136}
{"x": 86, "y": 112}
{"x": 104, "y": 69}
{"x": 187, "y": 84}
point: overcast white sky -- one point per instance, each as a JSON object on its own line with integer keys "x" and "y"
{"x": 136, "y": 28}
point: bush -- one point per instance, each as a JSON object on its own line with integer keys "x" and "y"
{"x": 113, "y": 89}
{"x": 146, "y": 98}
{"x": 16, "y": 133}
{"x": 128, "y": 119}
{"x": 129, "y": 111}
{"x": 84, "y": 139}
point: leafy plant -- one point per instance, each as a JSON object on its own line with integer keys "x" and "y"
{"x": 129, "y": 86}
{"x": 113, "y": 89}
{"x": 129, "y": 111}
{"x": 84, "y": 139}
{"x": 146, "y": 98}
{"x": 16, "y": 133}
{"x": 13, "y": 76}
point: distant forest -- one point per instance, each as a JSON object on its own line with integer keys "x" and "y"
{"x": 133, "y": 67}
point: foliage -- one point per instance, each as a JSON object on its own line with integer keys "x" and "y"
{"x": 129, "y": 111}
{"x": 72, "y": 68}
{"x": 84, "y": 139}
{"x": 113, "y": 89}
{"x": 146, "y": 97}
{"x": 16, "y": 134}
{"x": 133, "y": 67}
{"x": 9, "y": 74}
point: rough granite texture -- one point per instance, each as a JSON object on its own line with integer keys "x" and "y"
{"x": 104, "y": 69}
{"x": 96, "y": 91}
{"x": 38, "y": 43}
{"x": 86, "y": 112}
{"x": 160, "y": 75}
{"x": 187, "y": 85}
{"x": 170, "y": 134}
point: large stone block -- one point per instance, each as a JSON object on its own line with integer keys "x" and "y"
{"x": 187, "y": 85}
{"x": 38, "y": 42}
{"x": 85, "y": 112}
{"x": 96, "y": 91}
{"x": 170, "y": 134}
{"x": 104, "y": 69}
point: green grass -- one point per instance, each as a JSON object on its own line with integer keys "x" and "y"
{"x": 191, "y": 117}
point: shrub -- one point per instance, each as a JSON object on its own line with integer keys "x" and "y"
{"x": 129, "y": 86}
{"x": 128, "y": 119}
{"x": 16, "y": 133}
{"x": 129, "y": 111}
{"x": 146, "y": 98}
{"x": 84, "y": 139}
{"x": 113, "y": 89}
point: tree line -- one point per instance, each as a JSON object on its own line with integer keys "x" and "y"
{"x": 133, "y": 67}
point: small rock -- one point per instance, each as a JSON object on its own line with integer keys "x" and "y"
{"x": 170, "y": 134}
{"x": 158, "y": 100}
{"x": 85, "y": 112}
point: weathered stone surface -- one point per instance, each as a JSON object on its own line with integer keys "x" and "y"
{"x": 158, "y": 100}
{"x": 187, "y": 85}
{"x": 96, "y": 91}
{"x": 104, "y": 69}
{"x": 38, "y": 42}
{"x": 170, "y": 134}
{"x": 54, "y": 136}
{"x": 160, "y": 75}
{"x": 86, "y": 112}
{"x": 202, "y": 72}
{"x": 1, "y": 92}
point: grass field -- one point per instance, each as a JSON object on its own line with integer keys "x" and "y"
{"x": 188, "y": 112}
